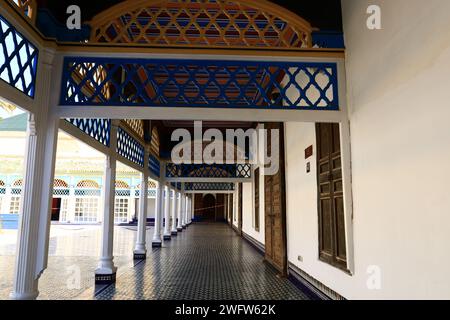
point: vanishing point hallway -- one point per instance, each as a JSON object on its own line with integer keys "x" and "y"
{"x": 207, "y": 261}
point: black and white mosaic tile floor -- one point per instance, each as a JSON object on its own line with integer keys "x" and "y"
{"x": 205, "y": 261}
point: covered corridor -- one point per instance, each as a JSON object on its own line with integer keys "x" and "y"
{"x": 327, "y": 151}
{"x": 208, "y": 261}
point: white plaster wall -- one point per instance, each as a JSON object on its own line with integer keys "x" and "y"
{"x": 151, "y": 207}
{"x": 399, "y": 80}
{"x": 301, "y": 208}
{"x": 248, "y": 200}
{"x": 235, "y": 207}
{"x": 398, "y": 94}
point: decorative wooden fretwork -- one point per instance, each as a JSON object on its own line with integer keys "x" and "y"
{"x": 154, "y": 165}
{"x": 150, "y": 185}
{"x": 122, "y": 185}
{"x": 60, "y": 188}
{"x": 86, "y": 78}
{"x": 59, "y": 183}
{"x": 88, "y": 184}
{"x": 129, "y": 148}
{"x": 27, "y": 7}
{"x": 209, "y": 186}
{"x": 200, "y": 23}
{"x": 99, "y": 129}
{"x": 2, "y": 187}
{"x": 154, "y": 142}
{"x": 202, "y": 83}
{"x": 208, "y": 170}
{"x": 18, "y": 59}
{"x": 151, "y": 193}
{"x": 18, "y": 183}
{"x": 137, "y": 126}
{"x": 123, "y": 192}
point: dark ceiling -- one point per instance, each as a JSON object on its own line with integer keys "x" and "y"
{"x": 322, "y": 14}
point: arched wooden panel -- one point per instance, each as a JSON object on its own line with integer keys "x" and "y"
{"x": 219, "y": 23}
{"x": 88, "y": 184}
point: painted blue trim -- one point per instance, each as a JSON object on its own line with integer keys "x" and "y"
{"x": 208, "y": 186}
{"x": 154, "y": 165}
{"x": 200, "y": 83}
{"x": 19, "y": 58}
{"x": 328, "y": 39}
{"x": 129, "y": 148}
{"x": 99, "y": 129}
{"x": 208, "y": 170}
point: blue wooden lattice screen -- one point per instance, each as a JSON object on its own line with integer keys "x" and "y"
{"x": 199, "y": 83}
{"x": 99, "y": 129}
{"x": 208, "y": 170}
{"x": 154, "y": 165}
{"x": 209, "y": 186}
{"x": 129, "y": 148}
{"x": 18, "y": 59}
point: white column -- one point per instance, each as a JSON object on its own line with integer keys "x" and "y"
{"x": 230, "y": 207}
{"x": 106, "y": 270}
{"x": 186, "y": 215}
{"x": 156, "y": 242}
{"x": 25, "y": 280}
{"x": 173, "y": 230}
{"x": 189, "y": 210}
{"x": 167, "y": 209}
{"x": 186, "y": 208}
{"x": 179, "y": 213}
{"x": 236, "y": 202}
{"x": 140, "y": 250}
{"x": 183, "y": 210}
{"x": 192, "y": 207}
{"x": 34, "y": 221}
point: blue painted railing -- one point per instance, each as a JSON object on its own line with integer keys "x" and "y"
{"x": 99, "y": 129}
{"x": 154, "y": 165}
{"x": 129, "y": 148}
{"x": 18, "y": 59}
{"x": 208, "y": 170}
{"x": 209, "y": 186}
{"x": 199, "y": 83}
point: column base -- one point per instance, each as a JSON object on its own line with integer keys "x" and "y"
{"x": 105, "y": 278}
{"x": 139, "y": 255}
{"x": 24, "y": 296}
{"x": 166, "y": 237}
{"x": 174, "y": 233}
{"x": 184, "y": 227}
{"x": 156, "y": 244}
{"x": 179, "y": 229}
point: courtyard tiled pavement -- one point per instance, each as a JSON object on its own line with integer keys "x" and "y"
{"x": 206, "y": 261}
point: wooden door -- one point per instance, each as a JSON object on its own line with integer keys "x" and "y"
{"x": 256, "y": 188}
{"x": 275, "y": 208}
{"x": 330, "y": 195}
